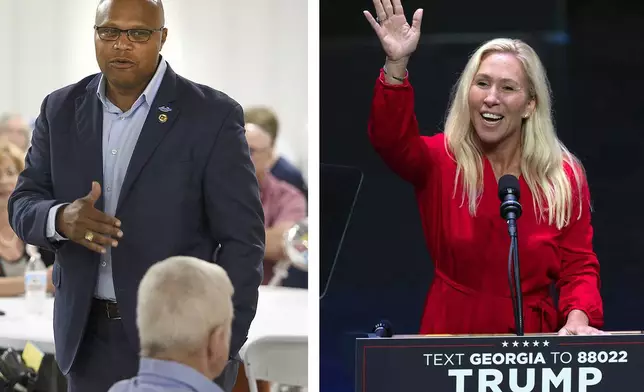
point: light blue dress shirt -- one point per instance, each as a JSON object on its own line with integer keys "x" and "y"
{"x": 160, "y": 376}
{"x": 121, "y": 131}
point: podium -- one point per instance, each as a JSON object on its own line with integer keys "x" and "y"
{"x": 501, "y": 363}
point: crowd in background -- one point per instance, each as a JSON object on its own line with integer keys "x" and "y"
{"x": 283, "y": 192}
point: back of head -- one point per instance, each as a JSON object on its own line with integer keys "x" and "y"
{"x": 265, "y": 118}
{"x": 181, "y": 300}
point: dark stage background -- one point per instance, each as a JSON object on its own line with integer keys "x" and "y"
{"x": 594, "y": 54}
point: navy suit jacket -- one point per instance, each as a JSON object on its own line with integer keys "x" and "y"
{"x": 190, "y": 189}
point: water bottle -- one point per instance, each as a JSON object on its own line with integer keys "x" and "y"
{"x": 35, "y": 282}
{"x": 297, "y": 244}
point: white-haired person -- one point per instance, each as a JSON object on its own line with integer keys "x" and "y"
{"x": 184, "y": 316}
{"x": 15, "y": 129}
{"x": 499, "y": 122}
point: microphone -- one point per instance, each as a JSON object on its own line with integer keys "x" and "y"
{"x": 383, "y": 329}
{"x": 510, "y": 207}
{"x": 509, "y": 195}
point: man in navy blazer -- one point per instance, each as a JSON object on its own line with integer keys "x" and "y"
{"x": 127, "y": 168}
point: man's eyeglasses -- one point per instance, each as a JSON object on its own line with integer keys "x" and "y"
{"x": 254, "y": 151}
{"x": 134, "y": 35}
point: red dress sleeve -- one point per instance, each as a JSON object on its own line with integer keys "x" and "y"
{"x": 579, "y": 281}
{"x": 393, "y": 131}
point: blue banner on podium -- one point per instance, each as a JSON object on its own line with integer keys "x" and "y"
{"x": 501, "y": 363}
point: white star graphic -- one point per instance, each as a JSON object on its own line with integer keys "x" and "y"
{"x": 515, "y": 344}
{"x": 504, "y": 344}
{"x": 526, "y": 344}
{"x": 535, "y": 343}
{"x": 545, "y": 343}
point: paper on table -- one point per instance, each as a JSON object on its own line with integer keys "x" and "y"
{"x": 32, "y": 356}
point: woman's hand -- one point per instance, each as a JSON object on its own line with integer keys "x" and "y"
{"x": 577, "y": 324}
{"x": 398, "y": 38}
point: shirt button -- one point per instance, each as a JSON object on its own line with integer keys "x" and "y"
{"x": 114, "y": 152}
{"x": 103, "y": 264}
{"x": 109, "y": 188}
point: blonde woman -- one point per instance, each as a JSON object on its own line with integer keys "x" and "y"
{"x": 499, "y": 122}
{"x": 13, "y": 258}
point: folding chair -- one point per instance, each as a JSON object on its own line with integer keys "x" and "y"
{"x": 278, "y": 359}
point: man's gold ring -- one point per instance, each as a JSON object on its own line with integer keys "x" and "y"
{"x": 89, "y": 236}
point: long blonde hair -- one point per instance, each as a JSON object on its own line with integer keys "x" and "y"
{"x": 13, "y": 152}
{"x": 543, "y": 155}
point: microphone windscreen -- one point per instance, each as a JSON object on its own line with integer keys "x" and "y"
{"x": 508, "y": 184}
{"x": 383, "y": 329}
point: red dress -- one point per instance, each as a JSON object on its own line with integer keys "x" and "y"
{"x": 470, "y": 292}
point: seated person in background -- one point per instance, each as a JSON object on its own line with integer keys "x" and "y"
{"x": 13, "y": 258}
{"x": 284, "y": 205}
{"x": 184, "y": 314}
{"x": 279, "y": 166}
{"x": 15, "y": 129}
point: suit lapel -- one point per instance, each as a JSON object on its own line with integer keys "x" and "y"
{"x": 157, "y": 124}
{"x": 89, "y": 123}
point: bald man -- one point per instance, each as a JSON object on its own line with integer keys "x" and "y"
{"x": 128, "y": 167}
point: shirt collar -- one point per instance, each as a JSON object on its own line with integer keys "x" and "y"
{"x": 177, "y": 372}
{"x": 150, "y": 91}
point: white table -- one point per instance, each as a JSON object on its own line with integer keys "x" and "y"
{"x": 280, "y": 312}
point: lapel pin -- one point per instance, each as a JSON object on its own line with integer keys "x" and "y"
{"x": 165, "y": 109}
{"x": 163, "y": 118}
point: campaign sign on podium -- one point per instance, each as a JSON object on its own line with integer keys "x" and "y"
{"x": 501, "y": 363}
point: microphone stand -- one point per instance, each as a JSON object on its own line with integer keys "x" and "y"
{"x": 515, "y": 278}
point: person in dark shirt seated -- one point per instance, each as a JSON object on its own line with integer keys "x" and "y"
{"x": 280, "y": 167}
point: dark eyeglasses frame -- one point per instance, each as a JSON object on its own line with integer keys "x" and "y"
{"x": 254, "y": 151}
{"x": 127, "y": 32}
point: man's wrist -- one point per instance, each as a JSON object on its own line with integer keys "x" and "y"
{"x": 58, "y": 221}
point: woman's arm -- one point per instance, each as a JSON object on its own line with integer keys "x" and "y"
{"x": 579, "y": 280}
{"x": 393, "y": 129}
{"x": 13, "y": 286}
